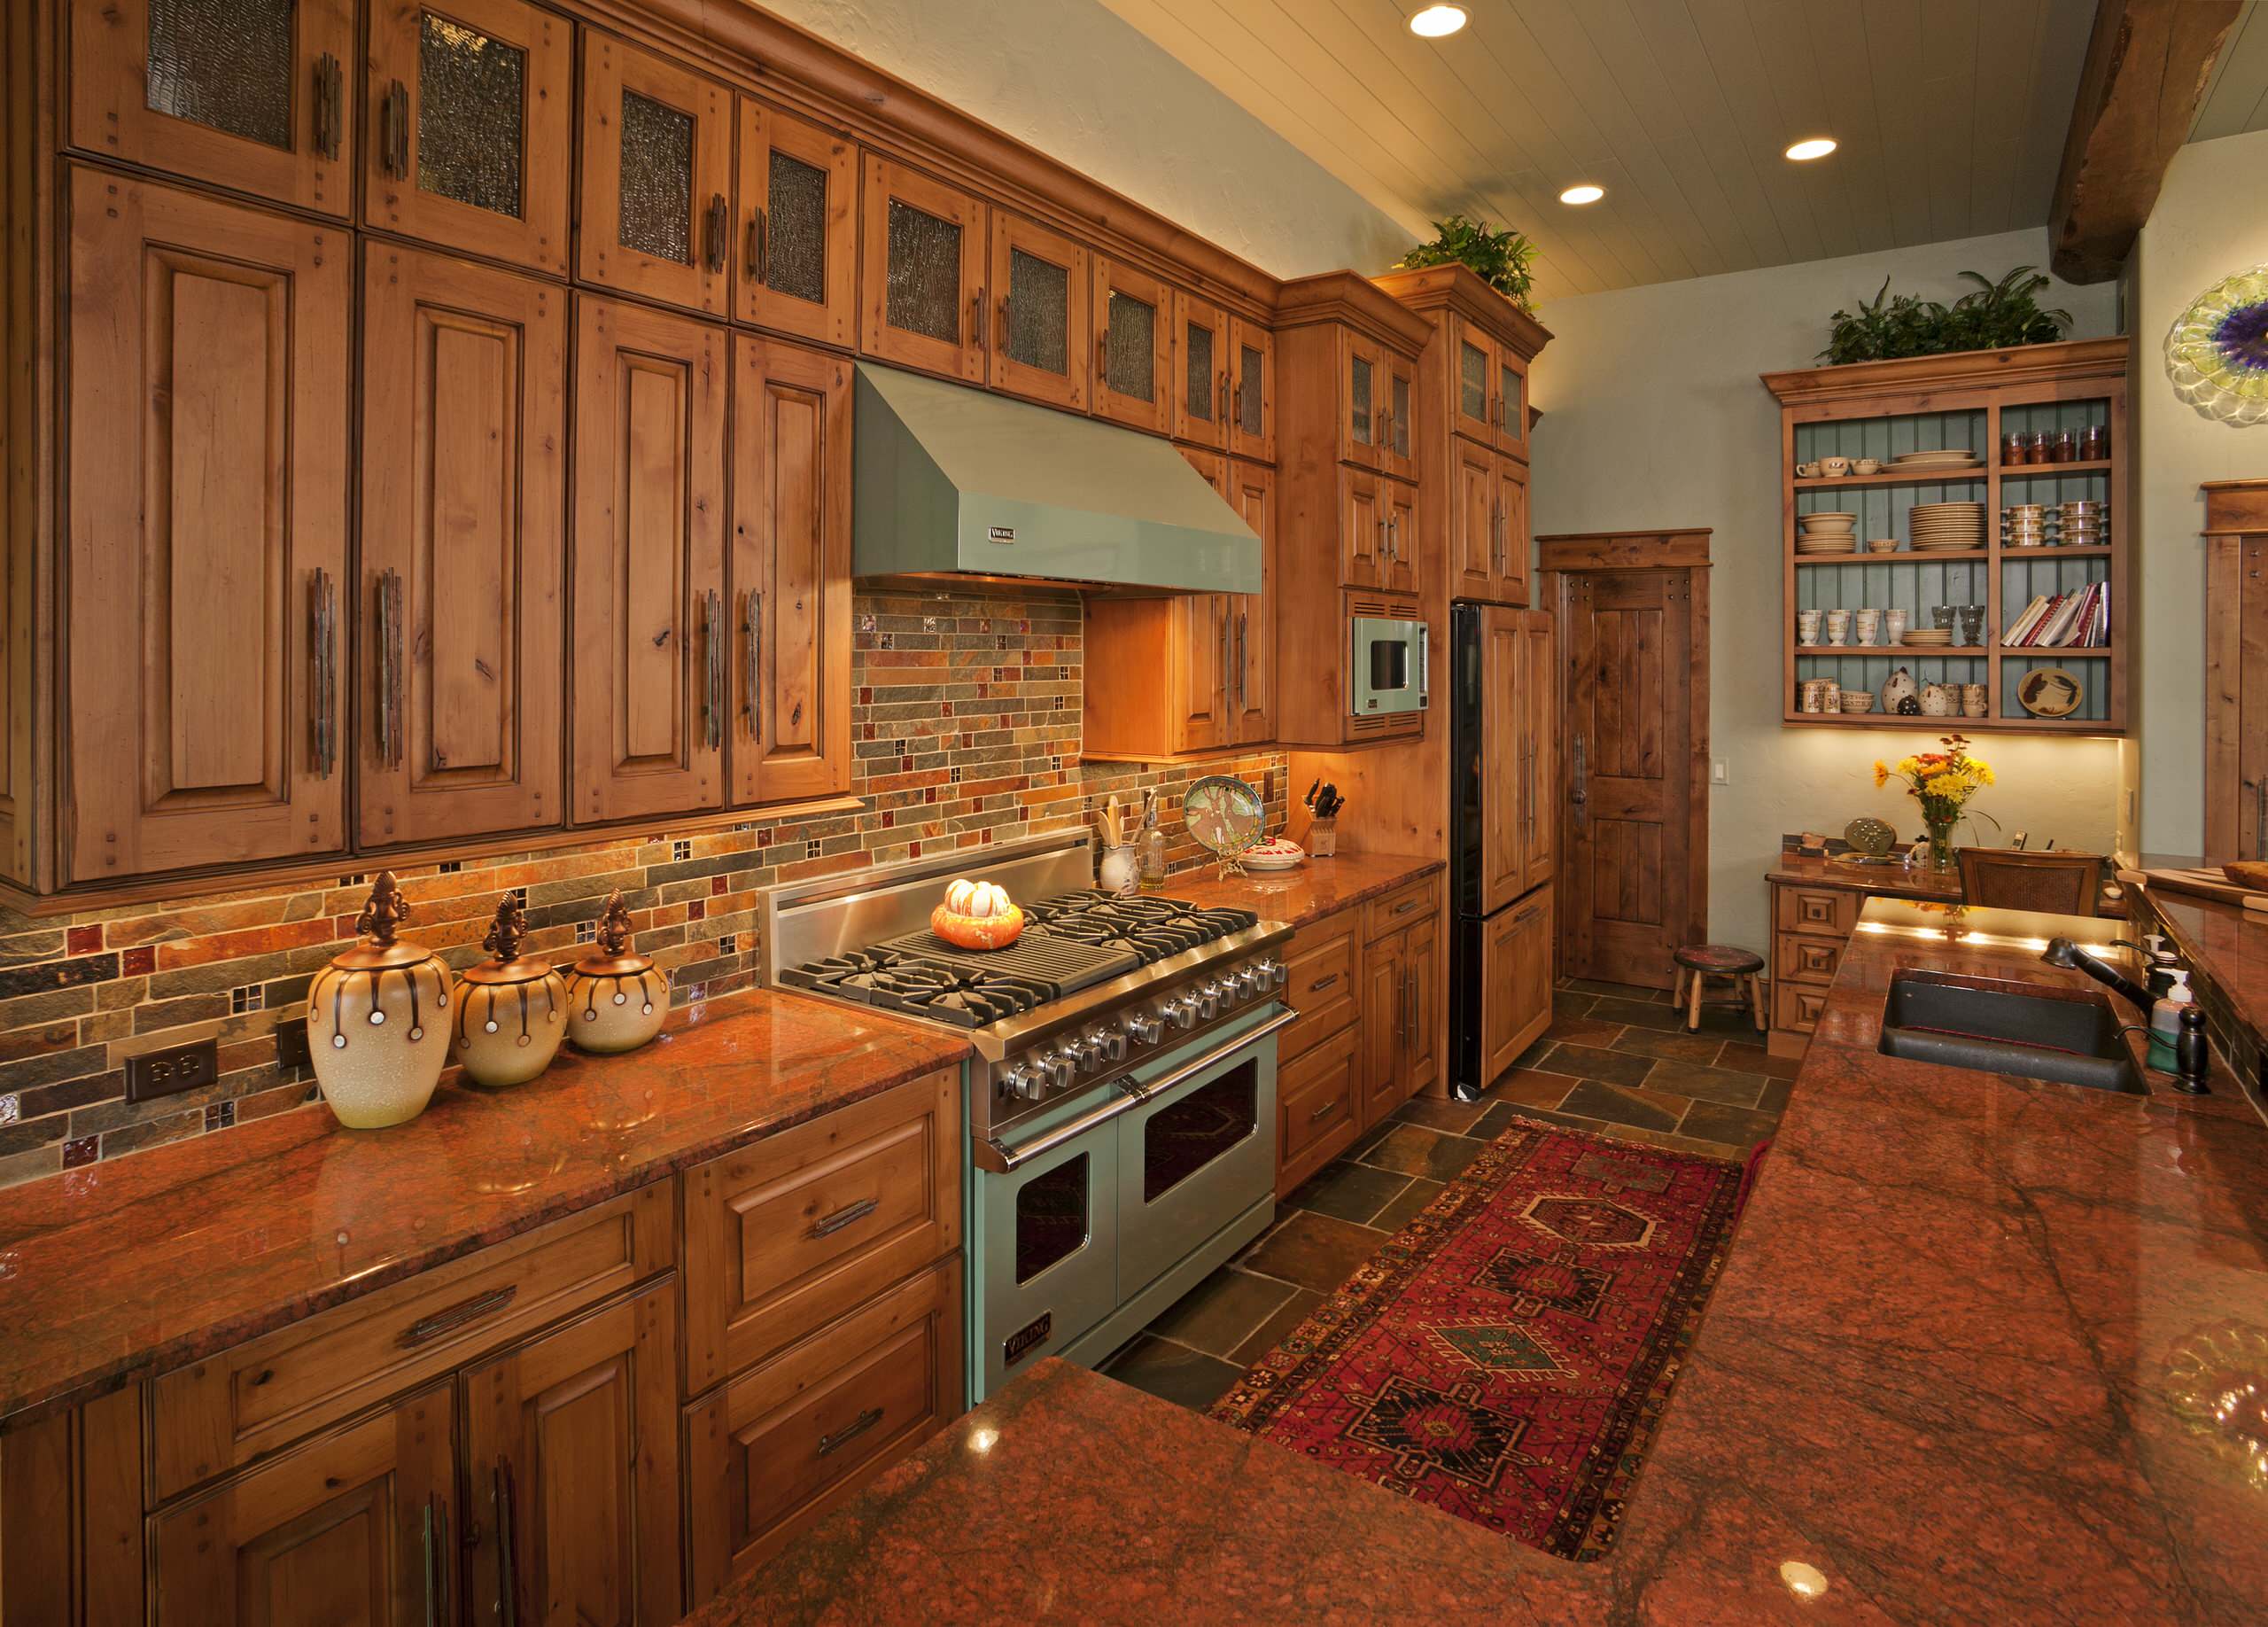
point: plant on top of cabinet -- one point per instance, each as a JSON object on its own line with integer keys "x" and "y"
{"x": 1504, "y": 260}
{"x": 1990, "y": 316}
{"x": 378, "y": 1019}
{"x": 799, "y": 231}
{"x": 511, "y": 1008}
{"x": 657, "y": 169}
{"x": 921, "y": 279}
{"x": 615, "y": 1000}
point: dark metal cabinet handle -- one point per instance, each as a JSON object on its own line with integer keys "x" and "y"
{"x": 507, "y": 1553}
{"x": 393, "y": 130}
{"x": 1406, "y": 906}
{"x": 1102, "y": 359}
{"x": 390, "y": 744}
{"x": 850, "y": 1214}
{"x": 438, "y": 1561}
{"x": 715, "y": 232}
{"x": 1327, "y": 1109}
{"x": 1323, "y": 983}
{"x": 322, "y": 689}
{"x": 755, "y": 246}
{"x": 2260, "y": 817}
{"x": 1223, "y": 394}
{"x": 866, "y": 1421}
{"x": 1409, "y": 1005}
{"x": 977, "y": 313}
{"x": 427, "y": 1328}
{"x": 433, "y": 1604}
{"x": 331, "y": 111}
{"x": 752, "y": 678}
{"x": 1243, "y": 652}
{"x": 712, "y": 633}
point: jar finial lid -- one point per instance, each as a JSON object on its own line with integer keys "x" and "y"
{"x": 614, "y": 926}
{"x": 384, "y": 912}
{"x": 507, "y": 931}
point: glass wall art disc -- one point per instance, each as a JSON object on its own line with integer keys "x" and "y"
{"x": 2216, "y": 351}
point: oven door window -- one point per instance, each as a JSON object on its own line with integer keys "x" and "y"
{"x": 1198, "y": 1130}
{"x": 1052, "y": 1217}
{"x": 1389, "y": 666}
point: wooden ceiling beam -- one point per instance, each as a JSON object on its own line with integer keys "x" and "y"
{"x": 2147, "y": 65}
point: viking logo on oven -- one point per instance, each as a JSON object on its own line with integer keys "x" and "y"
{"x": 1000, "y": 533}
{"x": 1024, "y": 1341}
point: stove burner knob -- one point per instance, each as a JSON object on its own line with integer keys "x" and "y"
{"x": 1061, "y": 1069}
{"x": 1249, "y": 982}
{"x": 1272, "y": 974}
{"x": 1023, "y": 1082}
{"x": 1112, "y": 1043}
{"x": 1208, "y": 1001}
{"x": 1083, "y": 1052}
{"x": 1143, "y": 1029}
{"x": 1181, "y": 1011}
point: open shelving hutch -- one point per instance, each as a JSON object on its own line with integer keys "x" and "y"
{"x": 1971, "y": 399}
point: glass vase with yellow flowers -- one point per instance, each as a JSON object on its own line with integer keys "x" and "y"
{"x": 1942, "y": 782}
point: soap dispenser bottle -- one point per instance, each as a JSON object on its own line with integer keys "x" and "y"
{"x": 2165, "y": 1023}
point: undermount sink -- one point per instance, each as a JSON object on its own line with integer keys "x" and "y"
{"x": 2072, "y": 1037}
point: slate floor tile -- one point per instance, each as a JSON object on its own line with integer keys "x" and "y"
{"x": 1616, "y": 1104}
{"x": 1313, "y": 1251}
{"x": 1222, "y": 1311}
{"x": 1173, "y": 1372}
{"x": 1349, "y": 1191}
{"x": 1706, "y": 1084}
{"x": 1590, "y": 1063}
{"x": 1738, "y": 1126}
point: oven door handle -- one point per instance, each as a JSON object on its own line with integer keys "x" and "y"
{"x": 997, "y": 1157}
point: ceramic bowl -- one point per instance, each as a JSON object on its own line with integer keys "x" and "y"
{"x": 1857, "y": 700}
{"x": 1867, "y": 465}
{"x": 1882, "y": 545}
{"x": 1834, "y": 466}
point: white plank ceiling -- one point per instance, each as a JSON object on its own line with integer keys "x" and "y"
{"x": 1950, "y": 113}
{"x": 2236, "y": 99}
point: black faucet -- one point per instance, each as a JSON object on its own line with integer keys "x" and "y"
{"x": 2063, "y": 953}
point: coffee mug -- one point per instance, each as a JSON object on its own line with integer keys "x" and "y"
{"x": 1835, "y": 465}
{"x": 1973, "y": 697}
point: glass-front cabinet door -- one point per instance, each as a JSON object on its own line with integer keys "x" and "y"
{"x": 1133, "y": 319}
{"x": 1511, "y": 403}
{"x": 1201, "y": 371}
{"x": 1252, "y": 391}
{"x": 798, "y": 227}
{"x": 657, "y": 177}
{"x": 471, "y": 127}
{"x": 1362, "y": 399}
{"x": 1397, "y": 385}
{"x": 250, "y": 94}
{"x": 922, "y": 272}
{"x": 1039, "y": 326}
{"x": 1473, "y": 383}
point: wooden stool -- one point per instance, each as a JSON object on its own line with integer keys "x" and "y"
{"x": 1697, "y": 963}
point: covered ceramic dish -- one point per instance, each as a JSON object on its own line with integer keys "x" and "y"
{"x": 616, "y": 1001}
{"x": 378, "y": 1019}
{"x": 511, "y": 1011}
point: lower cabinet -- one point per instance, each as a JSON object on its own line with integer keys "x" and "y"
{"x": 1401, "y": 986}
{"x": 1318, "y": 1108}
{"x": 1515, "y": 981}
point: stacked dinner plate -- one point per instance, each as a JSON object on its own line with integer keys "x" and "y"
{"x": 1927, "y": 638}
{"x": 1830, "y": 531}
{"x": 1948, "y": 461}
{"x": 1945, "y": 527}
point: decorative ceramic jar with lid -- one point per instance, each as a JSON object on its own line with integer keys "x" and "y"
{"x": 616, "y": 1001}
{"x": 378, "y": 1019}
{"x": 511, "y": 1010}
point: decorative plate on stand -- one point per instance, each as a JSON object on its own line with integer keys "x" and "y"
{"x": 1226, "y": 816}
{"x": 2216, "y": 351}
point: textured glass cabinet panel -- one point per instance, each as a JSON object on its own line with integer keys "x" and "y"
{"x": 1197, "y": 345}
{"x": 1358, "y": 410}
{"x": 923, "y": 274}
{"x": 1401, "y": 426}
{"x": 1473, "y": 382}
{"x": 223, "y": 63}
{"x": 1514, "y": 390}
{"x": 1130, "y": 355}
{"x": 795, "y": 247}
{"x": 1252, "y": 380}
{"x": 471, "y": 95}
{"x": 656, "y": 179}
{"x": 1039, "y": 313}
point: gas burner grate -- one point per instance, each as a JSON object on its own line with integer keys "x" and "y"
{"x": 1061, "y": 965}
{"x": 1151, "y": 928}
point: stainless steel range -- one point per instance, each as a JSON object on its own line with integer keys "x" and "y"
{"x": 1122, "y": 1093}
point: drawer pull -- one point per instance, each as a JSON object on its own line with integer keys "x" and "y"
{"x": 1327, "y": 1109}
{"x": 851, "y": 1431}
{"x": 850, "y": 1214}
{"x": 1406, "y": 906}
{"x": 429, "y": 1327}
{"x": 1323, "y": 983}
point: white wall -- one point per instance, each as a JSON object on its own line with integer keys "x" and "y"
{"x": 1087, "y": 88}
{"x": 2207, "y": 223}
{"x": 1654, "y": 417}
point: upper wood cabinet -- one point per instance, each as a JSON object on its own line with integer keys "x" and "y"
{"x": 1511, "y": 401}
{"x": 1511, "y": 585}
{"x": 922, "y": 272}
{"x": 1252, "y": 640}
{"x": 790, "y": 570}
{"x": 1201, "y": 403}
{"x": 1133, "y": 339}
{"x": 647, "y": 689}
{"x": 1519, "y": 758}
{"x": 1475, "y": 544}
{"x": 1487, "y": 387}
{"x": 1252, "y": 391}
{"x": 1396, "y": 381}
{"x": 471, "y": 111}
{"x": 206, "y": 599}
{"x": 464, "y": 473}
{"x": 1398, "y": 500}
{"x": 1362, "y": 528}
{"x": 1360, "y": 394}
{"x": 798, "y": 227}
{"x": 657, "y": 178}
{"x": 1041, "y": 294}
{"x": 1539, "y": 716}
{"x": 251, "y": 96}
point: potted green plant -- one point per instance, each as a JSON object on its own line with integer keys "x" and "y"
{"x": 1504, "y": 260}
{"x": 1990, "y": 316}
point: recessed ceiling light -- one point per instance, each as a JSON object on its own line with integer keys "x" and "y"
{"x": 1435, "y": 22}
{"x": 1816, "y": 146}
{"x": 1583, "y": 194}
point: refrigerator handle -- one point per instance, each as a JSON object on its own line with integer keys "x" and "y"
{"x": 1578, "y": 789}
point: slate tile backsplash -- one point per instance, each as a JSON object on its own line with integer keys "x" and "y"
{"x": 965, "y": 731}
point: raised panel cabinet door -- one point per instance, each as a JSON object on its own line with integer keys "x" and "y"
{"x": 1251, "y": 637}
{"x": 206, "y": 489}
{"x": 461, "y": 659}
{"x": 647, "y": 677}
{"x": 1475, "y": 544}
{"x": 1513, "y": 545}
{"x": 921, "y": 271}
{"x": 1385, "y": 987}
{"x": 1540, "y": 733}
{"x": 1252, "y": 391}
{"x": 1399, "y": 499}
{"x": 1362, "y": 400}
{"x": 790, "y": 662}
{"x": 571, "y": 1455}
{"x": 357, "y": 1529}
{"x": 657, "y": 178}
{"x": 798, "y": 227}
{"x": 1201, "y": 403}
{"x": 1133, "y": 334}
{"x": 1515, "y": 983}
{"x": 1473, "y": 382}
{"x": 1362, "y": 529}
{"x": 471, "y": 115}
{"x": 1506, "y": 681}
{"x": 1201, "y": 635}
{"x": 1422, "y": 981}
{"x": 250, "y": 94}
{"x": 1042, "y": 290}
{"x": 1396, "y": 406}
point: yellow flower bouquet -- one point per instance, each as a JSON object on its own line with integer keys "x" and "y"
{"x": 1942, "y": 782}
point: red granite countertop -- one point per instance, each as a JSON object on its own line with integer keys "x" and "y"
{"x": 2228, "y": 943}
{"x": 155, "y": 1259}
{"x": 1889, "y": 880}
{"x": 1950, "y": 1366}
{"x": 1317, "y": 888}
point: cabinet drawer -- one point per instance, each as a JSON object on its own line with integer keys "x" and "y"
{"x": 229, "y": 1409}
{"x": 1817, "y": 909}
{"x": 790, "y": 1234}
{"x": 1797, "y": 959}
{"x": 773, "y": 1450}
{"x": 1318, "y": 1108}
{"x": 1321, "y": 961}
{"x": 1400, "y": 908}
{"x": 1796, "y": 1008}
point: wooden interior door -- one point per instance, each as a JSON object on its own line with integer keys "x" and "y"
{"x": 790, "y": 572}
{"x": 1510, "y": 585}
{"x": 1201, "y": 371}
{"x": 1252, "y": 638}
{"x": 649, "y": 675}
{"x": 1133, "y": 320}
{"x": 259, "y": 103}
{"x": 207, "y": 531}
{"x": 798, "y": 227}
{"x": 1627, "y": 894}
{"x": 570, "y": 1454}
{"x": 1510, "y": 403}
{"x": 1538, "y": 701}
{"x": 922, "y": 272}
{"x": 1252, "y": 392}
{"x": 471, "y": 109}
{"x": 464, "y": 479}
{"x": 1042, "y": 291}
{"x": 1505, "y": 700}
{"x": 1475, "y": 546}
{"x": 1515, "y": 982}
{"x": 357, "y": 1529}
{"x": 2236, "y": 671}
{"x": 656, "y": 153}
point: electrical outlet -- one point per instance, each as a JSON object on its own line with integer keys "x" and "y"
{"x": 169, "y": 1072}
{"x": 1720, "y": 773}
{"x": 292, "y": 1046}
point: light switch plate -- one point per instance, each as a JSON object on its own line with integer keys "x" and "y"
{"x": 1719, "y": 773}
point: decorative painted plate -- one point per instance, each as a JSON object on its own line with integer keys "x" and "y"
{"x": 2216, "y": 351}
{"x": 1225, "y": 815}
{"x": 2050, "y": 692}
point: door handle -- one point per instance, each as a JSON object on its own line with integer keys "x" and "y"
{"x": 977, "y": 312}
{"x": 1221, "y": 673}
{"x": 393, "y": 129}
{"x": 390, "y": 675}
{"x": 2260, "y": 817}
{"x": 322, "y": 687}
{"x": 712, "y": 630}
{"x": 508, "y": 1554}
{"x": 1221, "y": 392}
{"x": 751, "y": 679}
{"x": 428, "y": 1327}
{"x": 755, "y": 246}
{"x": 331, "y": 113}
{"x": 1579, "y": 786}
{"x": 715, "y": 232}
{"x": 850, "y": 1214}
{"x": 829, "y": 1444}
{"x": 1243, "y": 651}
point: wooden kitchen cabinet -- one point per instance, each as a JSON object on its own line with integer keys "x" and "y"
{"x": 470, "y": 115}
{"x": 1519, "y": 755}
{"x": 656, "y": 150}
{"x": 1489, "y": 531}
{"x": 1251, "y": 637}
{"x": 1391, "y": 419}
{"x": 1401, "y": 986}
{"x": 464, "y": 476}
{"x": 1201, "y": 404}
{"x": 790, "y": 573}
{"x": 1510, "y": 585}
{"x": 204, "y": 607}
{"x": 1133, "y": 341}
{"x": 1363, "y": 556}
{"x": 570, "y": 1469}
{"x": 256, "y": 101}
{"x": 1487, "y": 385}
{"x": 1042, "y": 287}
{"x": 1539, "y": 724}
{"x": 1400, "y": 572}
{"x": 71, "y": 1526}
{"x": 1319, "y": 1102}
{"x": 922, "y": 298}
{"x": 1516, "y": 974}
{"x": 1252, "y": 391}
{"x": 798, "y": 227}
{"x": 648, "y": 688}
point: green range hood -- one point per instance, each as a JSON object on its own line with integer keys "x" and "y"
{"x": 955, "y": 484}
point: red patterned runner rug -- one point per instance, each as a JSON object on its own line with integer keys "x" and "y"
{"x": 1507, "y": 1356}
